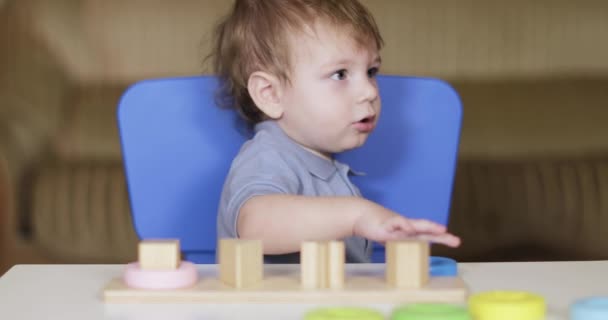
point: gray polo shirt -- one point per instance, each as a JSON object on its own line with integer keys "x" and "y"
{"x": 272, "y": 163}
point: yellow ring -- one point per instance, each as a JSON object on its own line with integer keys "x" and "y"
{"x": 507, "y": 305}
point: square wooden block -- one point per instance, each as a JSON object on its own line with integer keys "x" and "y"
{"x": 159, "y": 254}
{"x": 241, "y": 262}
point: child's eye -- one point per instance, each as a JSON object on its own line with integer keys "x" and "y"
{"x": 339, "y": 75}
{"x": 372, "y": 72}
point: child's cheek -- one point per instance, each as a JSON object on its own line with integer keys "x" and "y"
{"x": 339, "y": 84}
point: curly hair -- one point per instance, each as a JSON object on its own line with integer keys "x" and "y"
{"x": 254, "y": 37}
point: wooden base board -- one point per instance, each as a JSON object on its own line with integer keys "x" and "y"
{"x": 282, "y": 285}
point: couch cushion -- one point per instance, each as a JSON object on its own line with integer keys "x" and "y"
{"x": 533, "y": 117}
{"x": 80, "y": 212}
{"x": 555, "y": 207}
{"x": 89, "y": 129}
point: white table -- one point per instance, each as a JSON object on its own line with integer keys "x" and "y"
{"x": 74, "y": 291}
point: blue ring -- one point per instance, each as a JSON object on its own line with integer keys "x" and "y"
{"x": 443, "y": 267}
{"x": 593, "y": 308}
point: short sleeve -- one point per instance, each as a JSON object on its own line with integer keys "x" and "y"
{"x": 253, "y": 174}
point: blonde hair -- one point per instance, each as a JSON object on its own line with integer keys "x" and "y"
{"x": 253, "y": 37}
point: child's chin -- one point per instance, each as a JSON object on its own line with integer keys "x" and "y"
{"x": 355, "y": 144}
{"x": 362, "y": 139}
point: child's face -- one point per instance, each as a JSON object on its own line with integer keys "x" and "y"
{"x": 332, "y": 103}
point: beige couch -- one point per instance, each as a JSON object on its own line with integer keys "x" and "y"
{"x": 532, "y": 178}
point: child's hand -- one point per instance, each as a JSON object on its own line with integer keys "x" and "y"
{"x": 381, "y": 225}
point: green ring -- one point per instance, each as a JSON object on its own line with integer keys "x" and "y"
{"x": 344, "y": 313}
{"x": 431, "y": 311}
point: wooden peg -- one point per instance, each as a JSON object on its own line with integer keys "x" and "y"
{"x": 322, "y": 264}
{"x": 407, "y": 263}
{"x": 335, "y": 264}
{"x": 312, "y": 264}
{"x": 240, "y": 262}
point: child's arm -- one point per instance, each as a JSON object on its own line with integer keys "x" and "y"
{"x": 282, "y": 222}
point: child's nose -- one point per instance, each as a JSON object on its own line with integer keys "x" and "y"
{"x": 369, "y": 90}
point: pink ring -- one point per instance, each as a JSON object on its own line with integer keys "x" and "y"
{"x": 184, "y": 276}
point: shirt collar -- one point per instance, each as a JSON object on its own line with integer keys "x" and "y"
{"x": 316, "y": 165}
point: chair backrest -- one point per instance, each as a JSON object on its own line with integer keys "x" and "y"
{"x": 178, "y": 146}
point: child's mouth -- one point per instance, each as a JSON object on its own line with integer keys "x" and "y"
{"x": 366, "y": 124}
{"x": 369, "y": 119}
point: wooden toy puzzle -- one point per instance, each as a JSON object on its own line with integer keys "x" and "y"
{"x": 242, "y": 277}
{"x": 159, "y": 254}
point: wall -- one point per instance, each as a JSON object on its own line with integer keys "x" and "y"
{"x": 114, "y": 40}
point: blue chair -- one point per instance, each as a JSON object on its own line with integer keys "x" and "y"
{"x": 177, "y": 148}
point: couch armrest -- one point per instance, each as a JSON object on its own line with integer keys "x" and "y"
{"x": 4, "y": 208}
{"x": 33, "y": 87}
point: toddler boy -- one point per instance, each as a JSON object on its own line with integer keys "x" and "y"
{"x": 303, "y": 73}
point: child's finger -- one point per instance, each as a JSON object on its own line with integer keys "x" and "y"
{"x": 426, "y": 226}
{"x": 447, "y": 239}
{"x": 403, "y": 225}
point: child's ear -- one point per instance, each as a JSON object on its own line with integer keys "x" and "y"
{"x": 265, "y": 91}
